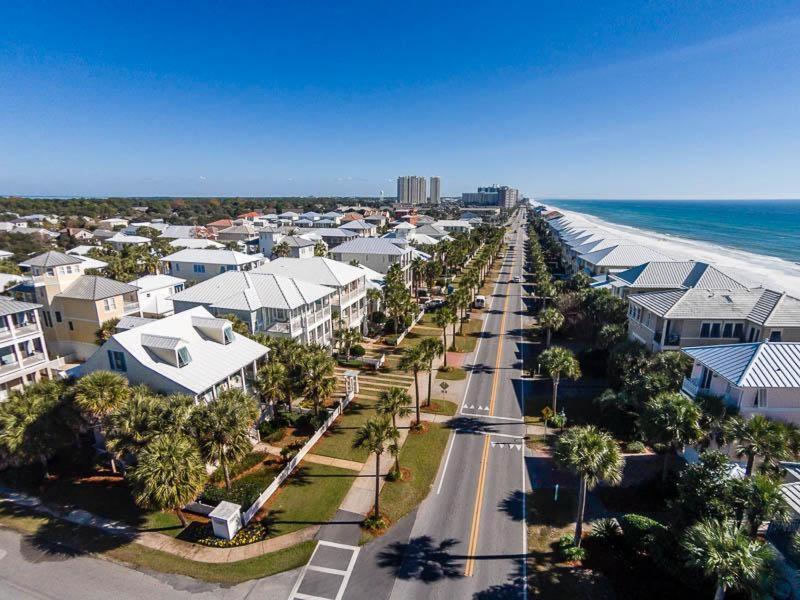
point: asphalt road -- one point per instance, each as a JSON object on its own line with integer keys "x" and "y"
{"x": 469, "y": 536}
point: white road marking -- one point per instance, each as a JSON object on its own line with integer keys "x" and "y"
{"x": 446, "y": 461}
{"x": 294, "y": 594}
{"x": 3, "y": 554}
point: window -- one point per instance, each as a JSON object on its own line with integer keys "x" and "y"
{"x": 222, "y": 269}
{"x": 116, "y": 361}
{"x": 715, "y": 329}
{"x": 727, "y": 330}
{"x": 775, "y": 335}
{"x": 738, "y": 329}
{"x": 71, "y": 328}
{"x": 228, "y": 335}
{"x": 48, "y": 320}
{"x": 704, "y": 329}
{"x": 110, "y": 303}
{"x": 761, "y": 398}
{"x": 199, "y": 268}
{"x": 183, "y": 357}
{"x": 58, "y": 316}
{"x": 176, "y": 266}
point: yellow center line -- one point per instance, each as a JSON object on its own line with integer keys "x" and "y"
{"x": 469, "y": 567}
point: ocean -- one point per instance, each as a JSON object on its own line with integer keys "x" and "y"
{"x": 768, "y": 227}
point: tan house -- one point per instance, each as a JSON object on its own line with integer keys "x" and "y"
{"x": 74, "y": 305}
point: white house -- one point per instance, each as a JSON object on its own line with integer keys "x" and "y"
{"x": 660, "y": 276}
{"x": 112, "y": 222}
{"x": 269, "y": 303}
{"x": 120, "y": 241}
{"x": 190, "y": 353}
{"x": 378, "y": 254}
{"x": 760, "y": 378}
{"x": 196, "y": 244}
{"x": 202, "y": 264}
{"x": 350, "y": 300}
{"x": 453, "y": 225}
{"x": 361, "y": 227}
{"x": 618, "y": 258}
{"x": 154, "y": 292}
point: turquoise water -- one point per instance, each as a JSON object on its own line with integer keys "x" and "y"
{"x": 770, "y": 227}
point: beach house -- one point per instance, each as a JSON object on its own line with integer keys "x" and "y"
{"x": 154, "y": 292}
{"x": 191, "y": 353}
{"x": 656, "y": 276}
{"x": 757, "y": 378}
{"x": 202, "y": 264}
{"x": 276, "y": 305}
{"x": 379, "y": 254}
{"x": 698, "y": 317}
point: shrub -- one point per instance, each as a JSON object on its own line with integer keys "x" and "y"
{"x": 378, "y": 317}
{"x": 567, "y": 549}
{"x": 635, "y": 447}
{"x": 794, "y": 548}
{"x": 247, "y": 463}
{"x": 290, "y": 451}
{"x": 357, "y": 350}
{"x": 352, "y": 363}
{"x": 607, "y": 530}
{"x": 243, "y": 493}
{"x": 391, "y": 340}
{"x": 204, "y": 535}
{"x": 640, "y": 532}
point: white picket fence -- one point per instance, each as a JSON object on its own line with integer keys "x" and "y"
{"x": 292, "y": 464}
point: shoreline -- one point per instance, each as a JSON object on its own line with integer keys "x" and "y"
{"x": 750, "y": 268}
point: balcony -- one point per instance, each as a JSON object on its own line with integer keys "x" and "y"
{"x": 5, "y": 334}
{"x": 690, "y": 387}
{"x": 673, "y": 339}
{"x": 32, "y": 359}
{"x": 9, "y": 367}
{"x": 26, "y": 329}
{"x": 130, "y": 307}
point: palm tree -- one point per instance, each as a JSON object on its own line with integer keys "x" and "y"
{"x": 670, "y": 421}
{"x": 414, "y": 360}
{"x": 374, "y": 436}
{"x": 223, "y": 429}
{"x": 318, "y": 380}
{"x": 394, "y": 402}
{"x": 760, "y": 500}
{"x": 320, "y": 249}
{"x": 757, "y": 436}
{"x": 431, "y": 349}
{"x": 107, "y": 329}
{"x": 168, "y": 475}
{"x": 101, "y": 392}
{"x": 551, "y": 320}
{"x": 272, "y": 382}
{"x": 593, "y": 456}
{"x": 559, "y": 362}
{"x": 442, "y": 318}
{"x": 723, "y": 551}
{"x": 460, "y": 299}
{"x": 35, "y": 423}
{"x": 281, "y": 250}
{"x": 348, "y": 337}
{"x": 133, "y": 424}
{"x": 417, "y": 271}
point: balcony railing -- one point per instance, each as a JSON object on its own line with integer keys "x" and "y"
{"x": 690, "y": 387}
{"x": 32, "y": 359}
{"x": 26, "y": 329}
{"x": 673, "y": 339}
{"x": 129, "y": 307}
{"x": 9, "y": 367}
{"x": 5, "y": 334}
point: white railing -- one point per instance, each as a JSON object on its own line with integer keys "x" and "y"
{"x": 292, "y": 464}
{"x": 690, "y": 386}
{"x": 403, "y": 335}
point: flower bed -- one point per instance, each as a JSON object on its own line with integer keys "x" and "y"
{"x": 203, "y": 534}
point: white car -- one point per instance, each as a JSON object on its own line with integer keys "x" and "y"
{"x": 517, "y": 279}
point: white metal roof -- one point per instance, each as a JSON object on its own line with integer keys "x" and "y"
{"x": 683, "y": 274}
{"x": 195, "y": 243}
{"x": 370, "y": 246}
{"x": 319, "y": 270}
{"x": 212, "y": 257}
{"x": 121, "y": 238}
{"x": 249, "y": 291}
{"x": 156, "y": 282}
{"x": 760, "y": 365}
{"x": 623, "y": 256}
{"x": 211, "y": 361}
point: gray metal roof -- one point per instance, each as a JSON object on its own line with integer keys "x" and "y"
{"x": 162, "y": 342}
{"x": 357, "y": 224}
{"x": 759, "y": 305}
{"x": 212, "y": 257}
{"x": 130, "y": 322}
{"x": 370, "y": 246}
{"x": 94, "y": 287}
{"x": 9, "y": 306}
{"x": 685, "y": 274}
{"x": 319, "y": 270}
{"x": 760, "y": 365}
{"x": 52, "y": 259}
{"x": 296, "y": 241}
{"x": 623, "y": 256}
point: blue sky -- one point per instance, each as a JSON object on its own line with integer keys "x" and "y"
{"x": 658, "y": 99}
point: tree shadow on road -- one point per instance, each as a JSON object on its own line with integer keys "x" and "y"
{"x": 423, "y": 559}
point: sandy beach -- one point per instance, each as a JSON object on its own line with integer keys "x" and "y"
{"x": 755, "y": 269}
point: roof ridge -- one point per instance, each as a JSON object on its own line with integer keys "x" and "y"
{"x": 781, "y": 296}
{"x": 751, "y": 362}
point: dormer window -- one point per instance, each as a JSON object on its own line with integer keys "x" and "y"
{"x": 228, "y": 335}
{"x": 183, "y": 357}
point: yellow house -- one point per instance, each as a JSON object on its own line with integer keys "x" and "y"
{"x": 74, "y": 305}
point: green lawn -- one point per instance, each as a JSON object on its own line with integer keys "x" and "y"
{"x": 421, "y": 454}
{"x": 310, "y": 496}
{"x": 86, "y": 540}
{"x": 338, "y": 440}
{"x": 452, "y": 374}
{"x": 441, "y": 407}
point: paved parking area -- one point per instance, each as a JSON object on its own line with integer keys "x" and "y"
{"x": 327, "y": 573}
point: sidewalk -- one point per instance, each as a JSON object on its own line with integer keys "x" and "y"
{"x": 158, "y": 541}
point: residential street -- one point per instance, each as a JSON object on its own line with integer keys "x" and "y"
{"x": 468, "y": 539}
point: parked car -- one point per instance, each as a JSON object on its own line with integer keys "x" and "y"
{"x": 434, "y": 304}
{"x": 517, "y": 279}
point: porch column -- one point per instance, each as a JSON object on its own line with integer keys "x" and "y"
{"x": 255, "y": 369}
{"x": 241, "y": 374}
{"x": 664, "y": 334}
